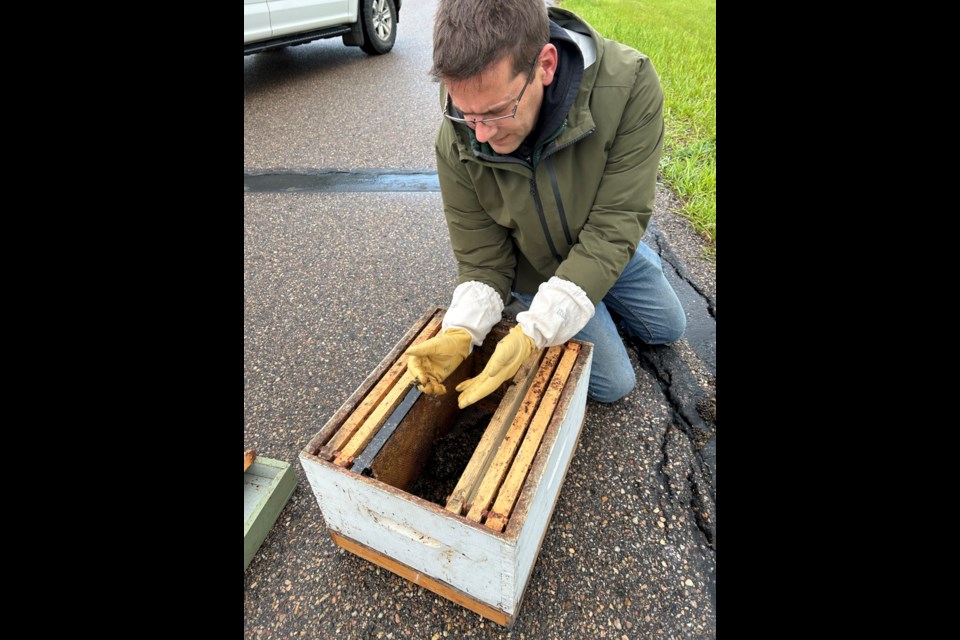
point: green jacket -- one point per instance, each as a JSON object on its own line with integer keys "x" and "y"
{"x": 579, "y": 210}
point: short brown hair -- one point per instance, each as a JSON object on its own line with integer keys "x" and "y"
{"x": 471, "y": 35}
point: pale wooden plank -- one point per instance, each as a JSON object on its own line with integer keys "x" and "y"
{"x": 376, "y": 395}
{"x": 372, "y": 424}
{"x": 497, "y": 469}
{"x": 573, "y": 399}
{"x": 248, "y": 457}
{"x": 440, "y": 588}
{"x": 536, "y": 504}
{"x": 503, "y": 505}
{"x": 493, "y": 435}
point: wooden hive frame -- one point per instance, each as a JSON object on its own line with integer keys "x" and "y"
{"x": 479, "y": 548}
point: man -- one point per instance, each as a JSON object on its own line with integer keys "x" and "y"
{"x": 547, "y": 159}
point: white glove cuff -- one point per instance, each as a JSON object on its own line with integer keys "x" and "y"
{"x": 475, "y": 308}
{"x": 558, "y": 312}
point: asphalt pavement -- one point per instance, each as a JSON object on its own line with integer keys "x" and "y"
{"x": 334, "y": 278}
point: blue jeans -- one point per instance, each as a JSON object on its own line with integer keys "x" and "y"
{"x": 647, "y": 307}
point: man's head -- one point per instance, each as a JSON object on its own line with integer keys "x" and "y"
{"x": 494, "y": 58}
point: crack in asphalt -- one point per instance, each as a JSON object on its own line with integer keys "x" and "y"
{"x": 666, "y": 253}
{"x": 684, "y": 393}
{"x": 700, "y": 308}
{"x": 701, "y": 511}
{"x": 681, "y": 393}
{"x": 678, "y": 385}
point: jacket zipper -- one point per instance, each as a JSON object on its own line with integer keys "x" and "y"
{"x": 556, "y": 196}
{"x": 549, "y": 151}
{"x": 535, "y": 192}
{"x": 552, "y": 150}
{"x": 543, "y": 220}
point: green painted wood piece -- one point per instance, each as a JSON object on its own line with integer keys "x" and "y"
{"x": 267, "y": 486}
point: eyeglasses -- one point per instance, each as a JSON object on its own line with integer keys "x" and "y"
{"x": 472, "y": 123}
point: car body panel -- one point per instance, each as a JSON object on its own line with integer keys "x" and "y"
{"x": 274, "y": 24}
{"x": 294, "y": 16}
{"x": 256, "y": 20}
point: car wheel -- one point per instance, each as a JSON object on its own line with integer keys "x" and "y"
{"x": 379, "y": 26}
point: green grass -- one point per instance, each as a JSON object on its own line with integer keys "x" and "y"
{"x": 680, "y": 37}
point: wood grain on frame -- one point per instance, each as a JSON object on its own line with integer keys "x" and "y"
{"x": 503, "y": 506}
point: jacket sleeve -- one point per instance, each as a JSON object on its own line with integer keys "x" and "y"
{"x": 483, "y": 248}
{"x": 624, "y": 200}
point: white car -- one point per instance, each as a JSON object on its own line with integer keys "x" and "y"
{"x": 273, "y": 24}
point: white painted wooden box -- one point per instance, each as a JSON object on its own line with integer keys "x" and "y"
{"x": 455, "y": 556}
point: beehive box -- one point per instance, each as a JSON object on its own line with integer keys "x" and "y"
{"x": 476, "y": 545}
{"x": 267, "y": 486}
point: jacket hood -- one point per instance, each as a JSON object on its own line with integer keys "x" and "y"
{"x": 559, "y": 95}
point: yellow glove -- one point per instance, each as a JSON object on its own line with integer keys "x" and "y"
{"x": 433, "y": 360}
{"x": 510, "y": 353}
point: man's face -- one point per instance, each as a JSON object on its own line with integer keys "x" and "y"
{"x": 494, "y": 93}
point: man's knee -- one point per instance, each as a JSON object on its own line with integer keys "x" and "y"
{"x": 673, "y": 328}
{"x": 678, "y": 326}
{"x": 611, "y": 390}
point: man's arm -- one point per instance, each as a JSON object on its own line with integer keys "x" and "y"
{"x": 483, "y": 248}
{"x": 624, "y": 200}
{"x": 617, "y": 219}
{"x": 484, "y": 253}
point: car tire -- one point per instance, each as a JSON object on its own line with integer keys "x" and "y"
{"x": 379, "y": 26}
